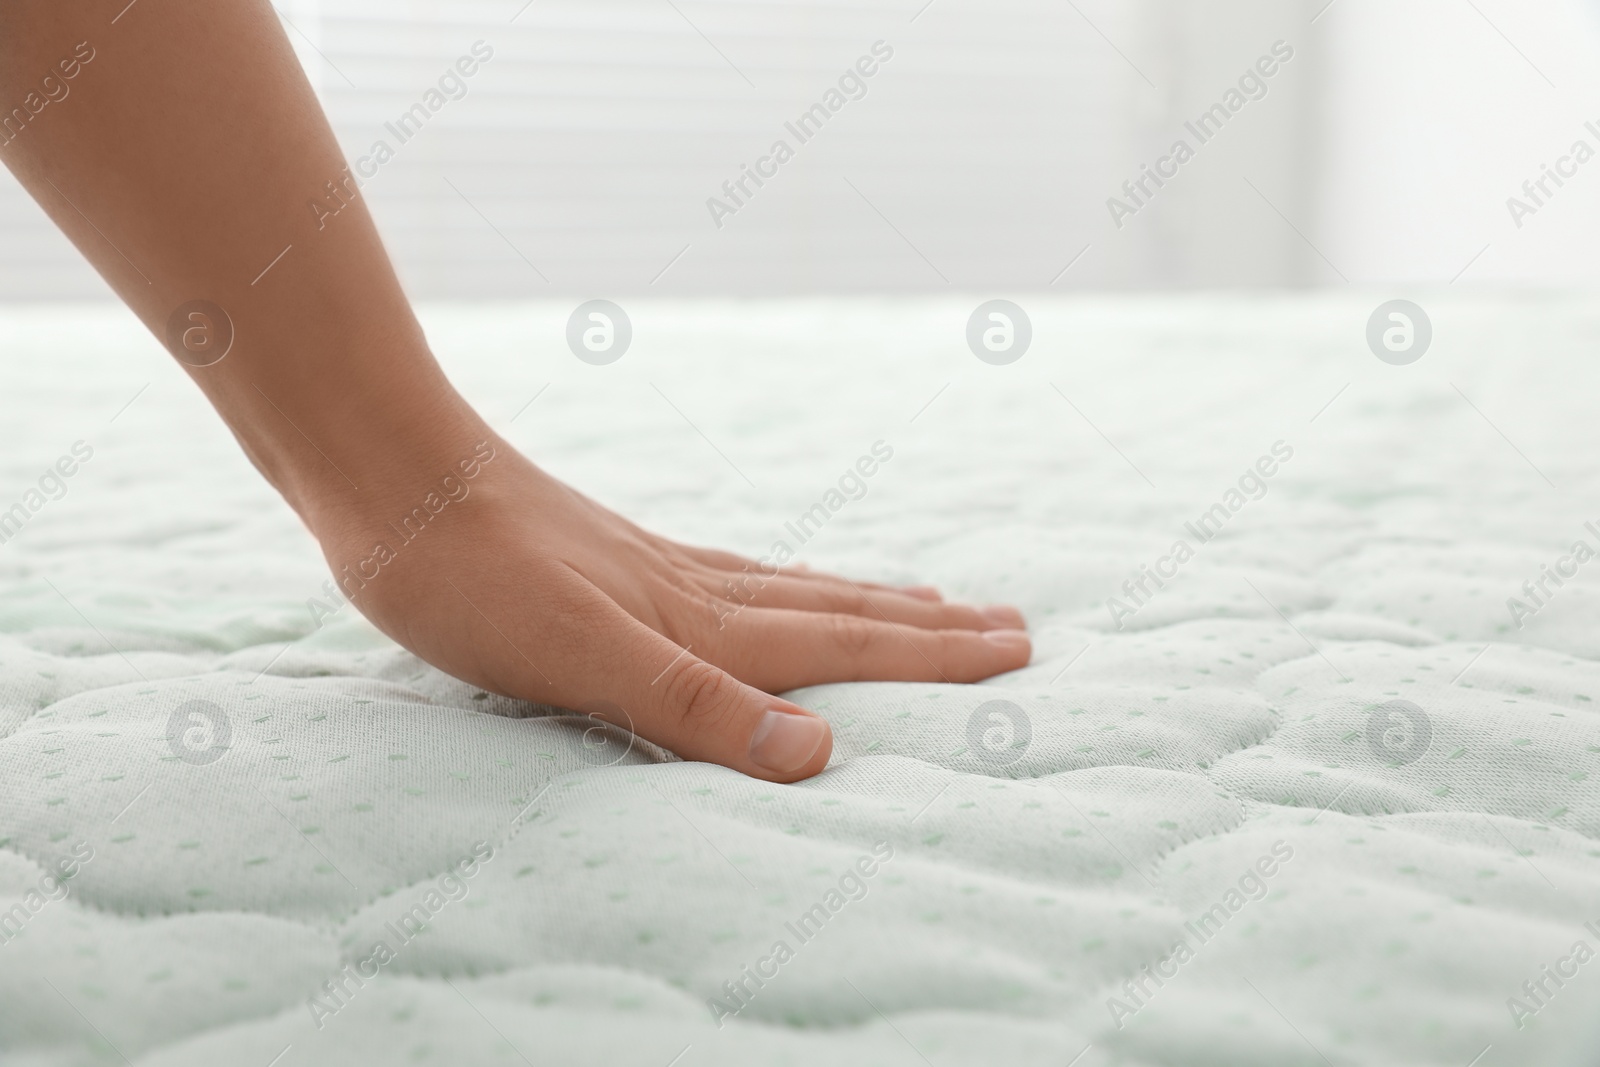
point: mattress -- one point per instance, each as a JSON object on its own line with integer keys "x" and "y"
{"x": 1305, "y": 768}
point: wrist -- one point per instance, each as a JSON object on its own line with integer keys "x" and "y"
{"x": 363, "y": 536}
{"x": 374, "y": 459}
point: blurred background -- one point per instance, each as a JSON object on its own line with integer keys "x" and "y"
{"x": 581, "y": 158}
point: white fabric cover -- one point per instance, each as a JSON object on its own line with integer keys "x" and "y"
{"x": 1160, "y": 763}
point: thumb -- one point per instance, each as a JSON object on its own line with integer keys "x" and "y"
{"x": 701, "y": 712}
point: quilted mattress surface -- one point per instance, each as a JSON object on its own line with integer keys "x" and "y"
{"x": 1305, "y": 769}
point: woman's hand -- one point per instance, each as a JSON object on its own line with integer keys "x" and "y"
{"x": 498, "y": 574}
{"x": 188, "y": 165}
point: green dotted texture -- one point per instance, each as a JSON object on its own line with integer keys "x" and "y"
{"x": 1039, "y": 861}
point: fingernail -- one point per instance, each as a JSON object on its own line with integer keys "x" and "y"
{"x": 1004, "y": 614}
{"x": 785, "y": 742}
{"x": 1010, "y": 640}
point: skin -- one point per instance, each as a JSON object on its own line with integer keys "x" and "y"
{"x": 181, "y": 161}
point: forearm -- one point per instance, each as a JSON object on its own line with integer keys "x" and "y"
{"x": 182, "y": 160}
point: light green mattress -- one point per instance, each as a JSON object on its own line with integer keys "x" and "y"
{"x": 1208, "y": 837}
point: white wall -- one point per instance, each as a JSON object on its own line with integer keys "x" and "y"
{"x": 990, "y": 142}
{"x": 1438, "y": 110}
{"x": 981, "y": 157}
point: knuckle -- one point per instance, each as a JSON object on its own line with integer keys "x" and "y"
{"x": 956, "y": 647}
{"x": 954, "y": 617}
{"x": 834, "y": 595}
{"x": 688, "y": 616}
{"x": 852, "y": 602}
{"x": 701, "y": 695}
{"x": 852, "y": 635}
